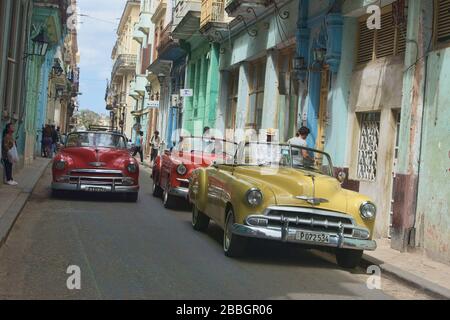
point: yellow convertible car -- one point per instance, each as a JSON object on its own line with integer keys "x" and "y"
{"x": 285, "y": 193}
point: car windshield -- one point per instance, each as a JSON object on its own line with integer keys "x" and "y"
{"x": 279, "y": 155}
{"x": 91, "y": 139}
{"x": 205, "y": 145}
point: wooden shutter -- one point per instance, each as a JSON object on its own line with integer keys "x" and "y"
{"x": 443, "y": 21}
{"x": 385, "y": 37}
{"x": 366, "y": 42}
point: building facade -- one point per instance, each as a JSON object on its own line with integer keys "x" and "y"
{"x": 119, "y": 102}
{"x": 33, "y": 36}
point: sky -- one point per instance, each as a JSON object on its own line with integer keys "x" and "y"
{"x": 96, "y": 38}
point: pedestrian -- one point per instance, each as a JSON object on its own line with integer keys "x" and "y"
{"x": 48, "y": 141}
{"x": 138, "y": 146}
{"x": 54, "y": 139}
{"x": 300, "y": 141}
{"x": 8, "y": 143}
{"x": 155, "y": 143}
{"x": 43, "y": 153}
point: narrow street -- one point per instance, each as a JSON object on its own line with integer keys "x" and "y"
{"x": 143, "y": 251}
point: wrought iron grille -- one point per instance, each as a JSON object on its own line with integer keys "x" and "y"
{"x": 368, "y": 146}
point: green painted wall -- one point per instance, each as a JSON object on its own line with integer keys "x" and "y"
{"x": 203, "y": 78}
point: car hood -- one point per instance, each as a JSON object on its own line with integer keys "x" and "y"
{"x": 287, "y": 184}
{"x": 96, "y": 157}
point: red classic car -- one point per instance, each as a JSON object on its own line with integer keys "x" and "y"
{"x": 96, "y": 162}
{"x": 172, "y": 170}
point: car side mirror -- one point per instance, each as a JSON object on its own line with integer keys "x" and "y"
{"x": 215, "y": 164}
{"x": 341, "y": 176}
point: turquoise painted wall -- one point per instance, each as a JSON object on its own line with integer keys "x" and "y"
{"x": 203, "y": 78}
{"x": 434, "y": 173}
{"x": 336, "y": 143}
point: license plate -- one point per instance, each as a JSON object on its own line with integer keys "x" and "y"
{"x": 96, "y": 189}
{"x": 312, "y": 237}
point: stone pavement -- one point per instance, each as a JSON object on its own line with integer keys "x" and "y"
{"x": 13, "y": 199}
{"x": 414, "y": 268}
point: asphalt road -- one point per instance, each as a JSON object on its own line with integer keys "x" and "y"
{"x": 143, "y": 251}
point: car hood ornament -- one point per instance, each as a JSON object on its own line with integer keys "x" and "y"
{"x": 312, "y": 200}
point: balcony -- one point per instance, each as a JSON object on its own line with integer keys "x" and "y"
{"x": 145, "y": 22}
{"x": 213, "y": 17}
{"x": 137, "y": 34}
{"x": 123, "y": 64}
{"x": 141, "y": 82}
{"x": 242, "y": 7}
{"x": 159, "y": 11}
{"x": 166, "y": 41}
{"x": 133, "y": 93}
{"x": 186, "y": 19}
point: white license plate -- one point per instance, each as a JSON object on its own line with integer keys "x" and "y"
{"x": 312, "y": 237}
{"x": 96, "y": 189}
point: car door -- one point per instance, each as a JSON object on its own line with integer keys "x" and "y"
{"x": 218, "y": 178}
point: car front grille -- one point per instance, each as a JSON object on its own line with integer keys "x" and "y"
{"x": 310, "y": 219}
{"x": 96, "y": 177}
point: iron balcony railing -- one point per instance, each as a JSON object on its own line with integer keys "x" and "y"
{"x": 124, "y": 62}
{"x": 212, "y": 11}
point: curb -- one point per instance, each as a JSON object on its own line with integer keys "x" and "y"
{"x": 409, "y": 278}
{"x": 11, "y": 215}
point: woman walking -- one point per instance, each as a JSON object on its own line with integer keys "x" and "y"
{"x": 8, "y": 143}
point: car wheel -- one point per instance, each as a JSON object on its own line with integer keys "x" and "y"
{"x": 200, "y": 221}
{"x": 157, "y": 191}
{"x": 57, "y": 194}
{"x": 348, "y": 259}
{"x": 168, "y": 200}
{"x": 233, "y": 245}
{"x": 132, "y": 197}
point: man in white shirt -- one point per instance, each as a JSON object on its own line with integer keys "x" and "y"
{"x": 300, "y": 141}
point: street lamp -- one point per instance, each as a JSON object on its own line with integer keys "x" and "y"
{"x": 39, "y": 46}
{"x": 319, "y": 54}
{"x": 161, "y": 78}
{"x": 148, "y": 88}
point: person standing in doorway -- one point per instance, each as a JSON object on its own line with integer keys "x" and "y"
{"x": 138, "y": 146}
{"x": 155, "y": 143}
{"x": 8, "y": 143}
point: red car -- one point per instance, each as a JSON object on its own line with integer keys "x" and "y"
{"x": 96, "y": 162}
{"x": 172, "y": 170}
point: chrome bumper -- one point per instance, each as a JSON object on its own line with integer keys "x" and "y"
{"x": 179, "y": 192}
{"x": 287, "y": 234}
{"x": 94, "y": 188}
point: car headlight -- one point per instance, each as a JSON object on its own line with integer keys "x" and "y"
{"x": 254, "y": 197}
{"x": 368, "y": 211}
{"x": 60, "y": 165}
{"x": 132, "y": 168}
{"x": 181, "y": 169}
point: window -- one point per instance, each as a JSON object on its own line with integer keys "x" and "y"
{"x": 442, "y": 21}
{"x": 257, "y": 75}
{"x": 233, "y": 84}
{"x": 390, "y": 40}
{"x": 368, "y": 146}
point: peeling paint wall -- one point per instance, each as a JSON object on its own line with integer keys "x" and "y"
{"x": 376, "y": 87}
{"x": 434, "y": 174}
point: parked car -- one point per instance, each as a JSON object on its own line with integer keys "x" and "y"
{"x": 284, "y": 193}
{"x": 96, "y": 162}
{"x": 172, "y": 170}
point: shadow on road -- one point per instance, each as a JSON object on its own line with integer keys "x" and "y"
{"x": 281, "y": 254}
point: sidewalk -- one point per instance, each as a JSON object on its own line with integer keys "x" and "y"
{"x": 413, "y": 268}
{"x": 13, "y": 199}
